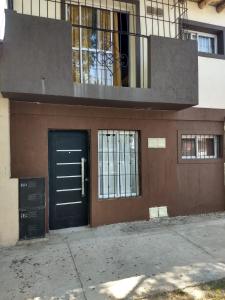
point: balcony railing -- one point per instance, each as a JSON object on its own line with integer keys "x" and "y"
{"x": 110, "y": 38}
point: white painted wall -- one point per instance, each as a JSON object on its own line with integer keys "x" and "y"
{"x": 9, "y": 216}
{"x": 211, "y": 82}
{"x": 211, "y": 70}
{"x": 206, "y": 15}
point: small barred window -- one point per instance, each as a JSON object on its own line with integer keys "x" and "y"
{"x": 202, "y": 146}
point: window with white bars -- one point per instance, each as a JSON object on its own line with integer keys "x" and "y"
{"x": 207, "y": 43}
{"x": 118, "y": 165}
{"x": 195, "y": 146}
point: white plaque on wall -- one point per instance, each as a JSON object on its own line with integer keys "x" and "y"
{"x": 157, "y": 143}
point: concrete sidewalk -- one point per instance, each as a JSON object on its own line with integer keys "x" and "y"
{"x": 123, "y": 261}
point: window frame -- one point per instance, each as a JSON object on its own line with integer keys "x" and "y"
{"x": 219, "y": 31}
{"x": 200, "y": 160}
{"x": 204, "y": 34}
{"x": 117, "y": 195}
{"x": 82, "y": 49}
{"x": 127, "y": 10}
{"x": 198, "y": 138}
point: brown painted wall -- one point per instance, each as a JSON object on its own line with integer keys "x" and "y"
{"x": 186, "y": 188}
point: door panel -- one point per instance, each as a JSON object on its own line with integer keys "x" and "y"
{"x": 67, "y": 170}
{"x": 68, "y": 183}
{"x": 61, "y": 156}
{"x": 68, "y": 179}
{"x": 69, "y": 196}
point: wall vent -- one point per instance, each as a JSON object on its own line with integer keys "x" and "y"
{"x": 156, "y": 11}
{"x": 158, "y": 212}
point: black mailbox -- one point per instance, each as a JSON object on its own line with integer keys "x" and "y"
{"x": 32, "y": 208}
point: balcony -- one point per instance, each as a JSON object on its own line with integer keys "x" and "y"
{"x": 106, "y": 52}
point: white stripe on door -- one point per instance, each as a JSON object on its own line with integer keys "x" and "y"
{"x": 68, "y": 190}
{"x": 68, "y": 203}
{"x": 64, "y": 164}
{"x": 72, "y": 176}
{"x": 72, "y": 150}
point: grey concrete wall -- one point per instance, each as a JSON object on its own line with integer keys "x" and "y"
{"x": 35, "y": 49}
{"x": 38, "y": 48}
{"x": 173, "y": 69}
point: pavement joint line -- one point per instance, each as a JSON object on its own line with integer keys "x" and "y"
{"x": 194, "y": 244}
{"x": 76, "y": 269}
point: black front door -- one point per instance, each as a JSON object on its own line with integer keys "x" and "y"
{"x": 68, "y": 179}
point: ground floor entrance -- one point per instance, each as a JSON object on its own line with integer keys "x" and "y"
{"x": 139, "y": 164}
{"x": 68, "y": 179}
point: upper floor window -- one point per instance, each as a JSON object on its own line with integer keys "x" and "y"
{"x": 207, "y": 43}
{"x": 100, "y": 45}
{"x": 200, "y": 146}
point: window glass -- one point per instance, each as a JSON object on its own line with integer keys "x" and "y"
{"x": 189, "y": 147}
{"x": 206, "y": 146}
{"x": 206, "y": 44}
{"x": 118, "y": 163}
{"x": 210, "y": 149}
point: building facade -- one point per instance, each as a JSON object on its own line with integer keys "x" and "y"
{"x": 118, "y": 105}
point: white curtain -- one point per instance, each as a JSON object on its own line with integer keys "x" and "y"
{"x": 206, "y": 44}
{"x": 3, "y": 6}
{"x": 118, "y": 163}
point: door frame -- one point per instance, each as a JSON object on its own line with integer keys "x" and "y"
{"x": 50, "y": 191}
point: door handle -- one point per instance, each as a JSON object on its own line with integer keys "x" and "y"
{"x": 82, "y": 177}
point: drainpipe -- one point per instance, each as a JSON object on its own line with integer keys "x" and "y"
{"x": 63, "y": 10}
{"x": 10, "y": 4}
